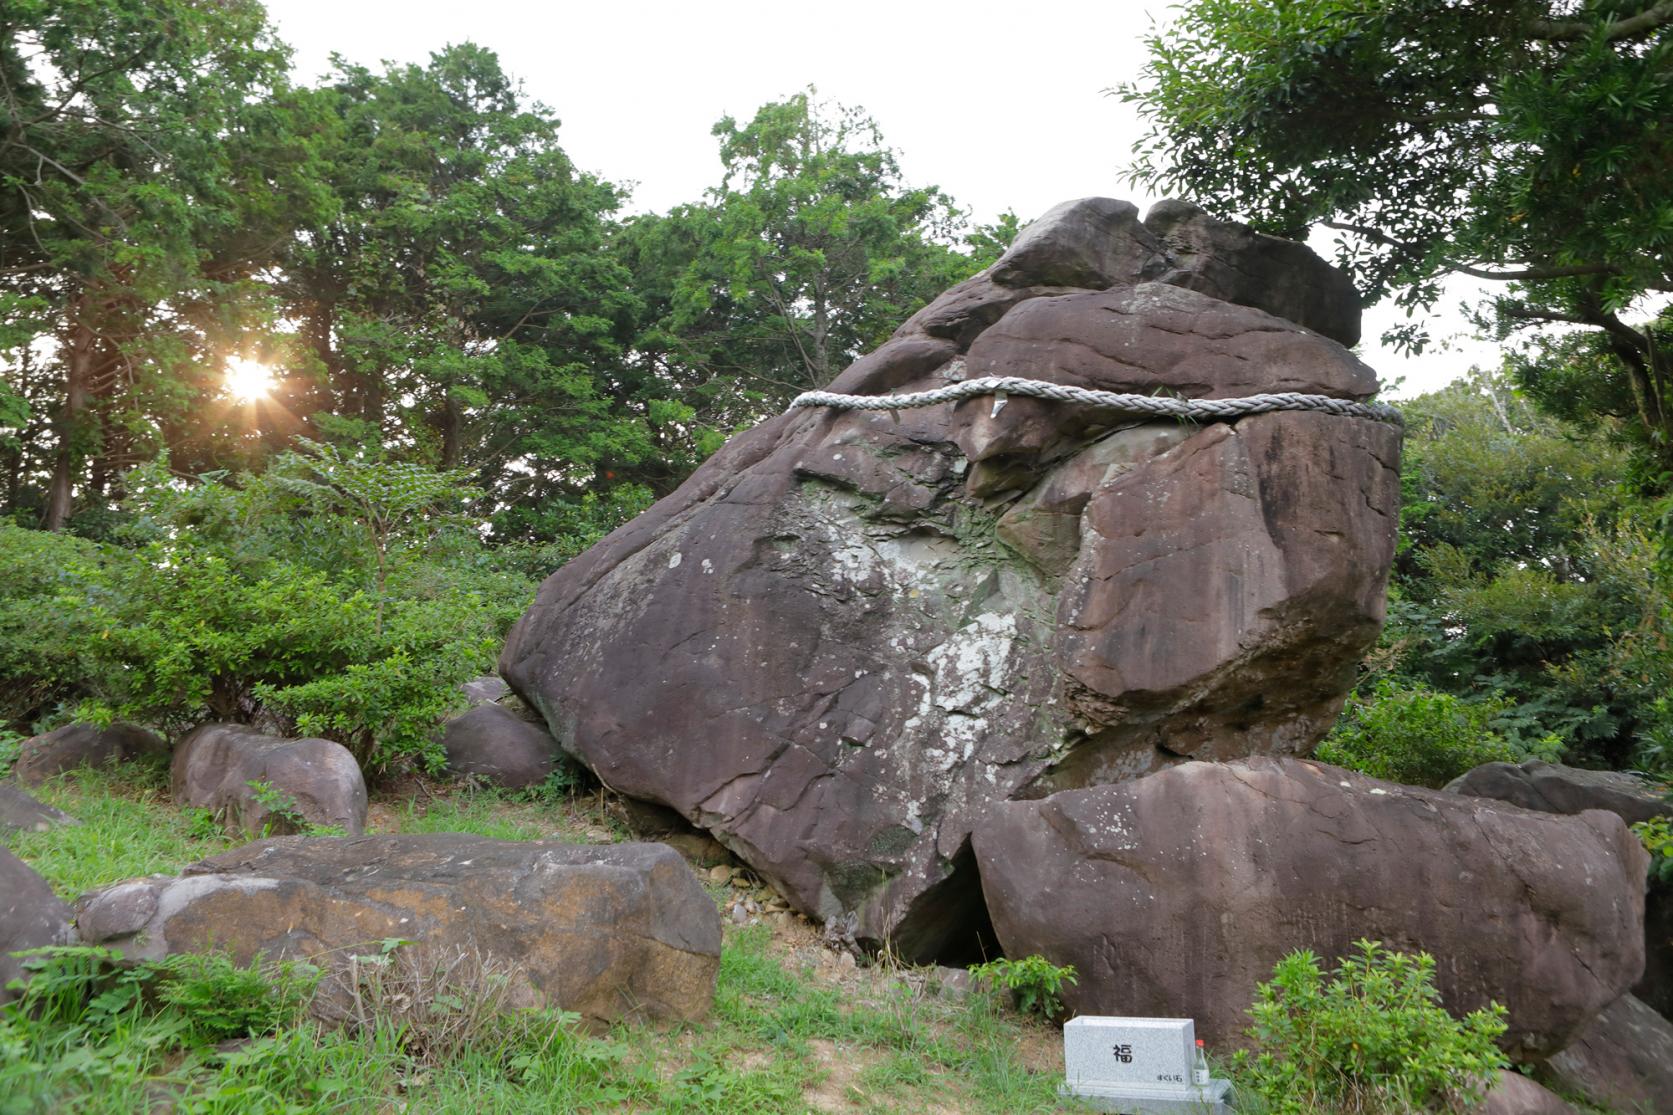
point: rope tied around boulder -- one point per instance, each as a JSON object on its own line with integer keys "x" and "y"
{"x": 1155, "y": 406}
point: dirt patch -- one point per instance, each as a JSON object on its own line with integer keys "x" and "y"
{"x": 841, "y": 1067}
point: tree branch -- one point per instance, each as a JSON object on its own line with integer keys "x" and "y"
{"x": 1571, "y": 30}
{"x": 1535, "y": 273}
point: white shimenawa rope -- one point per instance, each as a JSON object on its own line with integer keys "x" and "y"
{"x": 1159, "y": 406}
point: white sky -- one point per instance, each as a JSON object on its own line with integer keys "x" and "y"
{"x": 998, "y": 104}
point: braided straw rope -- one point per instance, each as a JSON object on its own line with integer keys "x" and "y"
{"x": 1158, "y": 406}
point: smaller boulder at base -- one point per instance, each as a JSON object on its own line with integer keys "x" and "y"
{"x": 31, "y": 917}
{"x": 21, "y": 813}
{"x": 1176, "y": 893}
{"x": 264, "y": 785}
{"x": 1622, "y": 1061}
{"x": 83, "y": 745}
{"x": 1555, "y": 788}
{"x": 1515, "y": 1094}
{"x": 496, "y": 745}
{"x": 614, "y": 932}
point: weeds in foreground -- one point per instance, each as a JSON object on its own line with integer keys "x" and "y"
{"x": 1033, "y": 983}
{"x": 437, "y": 1033}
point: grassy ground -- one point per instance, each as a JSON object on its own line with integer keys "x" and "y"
{"x": 794, "y": 1028}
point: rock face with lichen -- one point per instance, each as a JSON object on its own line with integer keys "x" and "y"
{"x": 847, "y": 635}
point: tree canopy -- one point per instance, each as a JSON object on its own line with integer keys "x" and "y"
{"x": 412, "y": 255}
{"x": 1523, "y": 142}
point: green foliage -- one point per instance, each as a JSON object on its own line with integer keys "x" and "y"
{"x": 811, "y": 251}
{"x": 1374, "y": 1038}
{"x": 1528, "y": 576}
{"x": 1656, "y": 834}
{"x": 228, "y": 597}
{"x": 1522, "y": 143}
{"x": 1418, "y": 737}
{"x": 1034, "y": 983}
{"x": 86, "y": 1022}
{"x": 221, "y": 1000}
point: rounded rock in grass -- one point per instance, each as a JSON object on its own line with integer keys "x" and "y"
{"x": 84, "y": 745}
{"x": 21, "y": 813}
{"x": 31, "y": 917}
{"x": 264, "y": 785}
{"x": 495, "y": 745}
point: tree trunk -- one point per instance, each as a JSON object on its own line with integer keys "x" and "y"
{"x": 78, "y": 374}
{"x": 452, "y": 423}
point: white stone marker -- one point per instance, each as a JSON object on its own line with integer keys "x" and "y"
{"x": 1137, "y": 1066}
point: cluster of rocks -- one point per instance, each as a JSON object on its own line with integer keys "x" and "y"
{"x": 848, "y": 634}
{"x": 1008, "y": 675}
{"x": 1024, "y": 675}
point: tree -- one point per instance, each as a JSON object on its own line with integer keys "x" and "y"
{"x": 1523, "y": 142}
{"x": 458, "y": 300}
{"x": 810, "y": 252}
{"x": 1527, "y": 584}
{"x": 124, "y": 198}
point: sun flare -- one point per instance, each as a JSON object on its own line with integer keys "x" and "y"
{"x": 248, "y": 381}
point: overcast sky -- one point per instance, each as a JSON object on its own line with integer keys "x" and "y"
{"x": 1001, "y": 105}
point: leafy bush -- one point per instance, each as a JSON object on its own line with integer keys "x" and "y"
{"x": 1373, "y": 1038}
{"x": 352, "y": 619}
{"x": 1657, "y": 837}
{"x": 1034, "y": 983}
{"x": 1416, "y": 736}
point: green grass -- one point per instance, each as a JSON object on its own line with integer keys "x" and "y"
{"x": 779, "y": 1038}
{"x": 128, "y": 828}
{"x": 484, "y": 814}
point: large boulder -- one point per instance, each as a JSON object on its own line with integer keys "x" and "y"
{"x": 1555, "y": 788}
{"x": 1176, "y": 893}
{"x": 1622, "y": 1061}
{"x": 264, "y": 785}
{"x": 31, "y": 917}
{"x": 615, "y": 932}
{"x": 494, "y": 744}
{"x": 848, "y": 633}
{"x": 83, "y": 745}
{"x": 21, "y": 813}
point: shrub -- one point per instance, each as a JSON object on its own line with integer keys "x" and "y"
{"x": 1416, "y": 736}
{"x": 1657, "y": 837}
{"x": 1034, "y": 983}
{"x": 1374, "y": 1038}
{"x": 225, "y": 599}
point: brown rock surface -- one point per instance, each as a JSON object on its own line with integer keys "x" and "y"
{"x": 21, "y": 813}
{"x": 1621, "y": 1061}
{"x": 83, "y": 745}
{"x": 31, "y": 917}
{"x": 498, "y": 746}
{"x": 1235, "y": 263}
{"x": 846, "y": 635}
{"x": 614, "y": 932}
{"x": 1515, "y": 1094}
{"x": 1555, "y": 788}
{"x": 1174, "y": 894}
{"x": 215, "y": 766}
